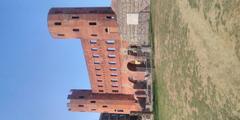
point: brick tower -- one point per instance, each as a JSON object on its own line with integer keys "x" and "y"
{"x": 113, "y": 73}
{"x": 97, "y": 29}
{"x": 85, "y": 100}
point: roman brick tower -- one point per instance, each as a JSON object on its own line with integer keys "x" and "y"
{"x": 114, "y": 81}
{"x": 85, "y": 100}
{"x": 98, "y": 31}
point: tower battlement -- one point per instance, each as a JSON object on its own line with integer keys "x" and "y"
{"x": 83, "y": 23}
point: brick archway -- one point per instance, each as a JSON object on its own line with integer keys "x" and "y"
{"x": 136, "y": 66}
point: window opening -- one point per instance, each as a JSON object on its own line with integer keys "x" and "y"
{"x": 61, "y": 35}
{"x": 111, "y": 56}
{"x": 111, "y": 49}
{"x": 93, "y": 41}
{"x": 99, "y": 80}
{"x": 97, "y": 68}
{"x": 110, "y": 41}
{"x": 112, "y": 63}
{"x": 94, "y": 49}
{"x": 115, "y": 91}
{"x": 75, "y": 17}
{"x": 96, "y": 56}
{"x": 136, "y": 65}
{"x": 58, "y": 23}
{"x": 114, "y": 80}
{"x": 104, "y": 106}
{"x": 109, "y": 17}
{"x": 94, "y": 35}
{"x": 106, "y": 30}
{"x": 98, "y": 75}
{"x": 119, "y": 110}
{"x": 80, "y": 105}
{"x": 113, "y": 69}
{"x": 114, "y": 85}
{"x": 96, "y": 62}
{"x": 114, "y": 74}
{"x": 92, "y": 23}
{"x": 75, "y": 30}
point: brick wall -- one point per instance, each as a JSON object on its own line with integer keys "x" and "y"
{"x": 106, "y": 55}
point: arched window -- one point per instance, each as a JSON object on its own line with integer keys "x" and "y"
{"x": 136, "y": 66}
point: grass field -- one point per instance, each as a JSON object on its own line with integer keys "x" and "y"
{"x": 197, "y": 59}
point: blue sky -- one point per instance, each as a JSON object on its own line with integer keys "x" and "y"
{"x": 37, "y": 72}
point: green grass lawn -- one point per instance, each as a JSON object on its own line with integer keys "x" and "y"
{"x": 196, "y": 59}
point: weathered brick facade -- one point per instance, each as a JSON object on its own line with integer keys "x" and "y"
{"x": 117, "y": 78}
